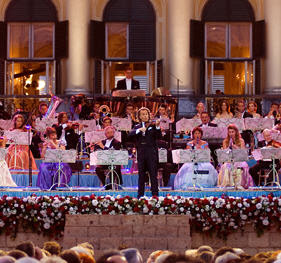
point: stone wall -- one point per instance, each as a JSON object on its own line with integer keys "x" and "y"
{"x": 147, "y": 233}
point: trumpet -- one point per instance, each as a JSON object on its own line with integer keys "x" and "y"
{"x": 104, "y": 110}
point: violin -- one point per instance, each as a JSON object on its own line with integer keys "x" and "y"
{"x": 275, "y": 144}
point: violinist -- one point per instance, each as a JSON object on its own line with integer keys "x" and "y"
{"x": 146, "y": 135}
{"x": 264, "y": 164}
{"x": 66, "y": 131}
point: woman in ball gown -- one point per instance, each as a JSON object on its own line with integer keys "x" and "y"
{"x": 224, "y": 111}
{"x": 17, "y": 156}
{"x": 5, "y": 175}
{"x": 186, "y": 177}
{"x": 236, "y": 174}
{"x": 252, "y": 109}
{"x": 48, "y": 172}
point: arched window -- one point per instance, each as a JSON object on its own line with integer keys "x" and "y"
{"x": 126, "y": 37}
{"x": 33, "y": 43}
{"x": 231, "y": 43}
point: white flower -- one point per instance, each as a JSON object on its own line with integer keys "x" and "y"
{"x": 145, "y": 209}
{"x": 181, "y": 209}
{"x": 95, "y": 202}
{"x": 265, "y": 222}
{"x": 2, "y": 223}
{"x": 243, "y": 217}
{"x": 239, "y": 205}
{"x": 46, "y": 225}
{"x": 258, "y": 205}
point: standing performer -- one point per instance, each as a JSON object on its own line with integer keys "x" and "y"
{"x": 146, "y": 135}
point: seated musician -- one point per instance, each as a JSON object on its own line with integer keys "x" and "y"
{"x": 240, "y": 111}
{"x": 95, "y": 115}
{"x": 237, "y": 174}
{"x": 36, "y": 142}
{"x": 106, "y": 122}
{"x": 109, "y": 143}
{"x": 128, "y": 83}
{"x": 252, "y": 109}
{"x": 187, "y": 173}
{"x": 200, "y": 108}
{"x": 273, "y": 111}
{"x": 48, "y": 172}
{"x": 65, "y": 131}
{"x": 20, "y": 158}
{"x": 262, "y": 164}
{"x": 163, "y": 113}
{"x": 224, "y": 110}
{"x": 205, "y": 119}
{"x": 43, "y": 108}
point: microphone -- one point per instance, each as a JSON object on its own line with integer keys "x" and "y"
{"x": 230, "y": 143}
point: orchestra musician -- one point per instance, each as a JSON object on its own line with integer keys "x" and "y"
{"x": 43, "y": 109}
{"x": 240, "y": 110}
{"x": 224, "y": 110}
{"x": 48, "y": 174}
{"x": 273, "y": 111}
{"x": 128, "y": 83}
{"x": 66, "y": 132}
{"x": 109, "y": 143}
{"x": 205, "y": 119}
{"x": 36, "y": 142}
{"x": 238, "y": 174}
{"x": 184, "y": 177}
{"x": 21, "y": 156}
{"x": 252, "y": 109}
{"x": 199, "y": 108}
{"x": 146, "y": 135}
{"x": 264, "y": 164}
{"x": 5, "y": 175}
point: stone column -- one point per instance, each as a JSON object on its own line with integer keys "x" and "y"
{"x": 179, "y": 63}
{"x": 272, "y": 10}
{"x": 78, "y": 64}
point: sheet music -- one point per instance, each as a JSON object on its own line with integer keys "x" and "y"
{"x": 97, "y": 136}
{"x": 214, "y": 132}
{"x": 162, "y": 154}
{"x": 224, "y": 122}
{"x": 109, "y": 157}
{"x": 6, "y": 124}
{"x": 235, "y": 155}
{"x": 3, "y": 152}
{"x": 271, "y": 153}
{"x": 165, "y": 123}
{"x": 42, "y": 125}
{"x": 188, "y": 156}
{"x": 187, "y": 124}
{"x": 122, "y": 124}
{"x": 17, "y": 137}
{"x": 56, "y": 155}
{"x": 92, "y": 126}
{"x": 258, "y": 124}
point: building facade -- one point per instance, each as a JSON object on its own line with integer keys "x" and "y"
{"x": 187, "y": 46}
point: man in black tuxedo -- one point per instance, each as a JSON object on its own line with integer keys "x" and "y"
{"x": 65, "y": 131}
{"x": 43, "y": 108}
{"x": 205, "y": 119}
{"x": 240, "y": 110}
{"x": 128, "y": 83}
{"x": 146, "y": 136}
{"x": 109, "y": 143}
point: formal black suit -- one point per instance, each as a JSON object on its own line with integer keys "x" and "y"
{"x": 209, "y": 124}
{"x": 247, "y": 115}
{"x": 261, "y": 165}
{"x": 147, "y": 155}
{"x": 100, "y": 169}
{"x": 71, "y": 137}
{"x": 121, "y": 84}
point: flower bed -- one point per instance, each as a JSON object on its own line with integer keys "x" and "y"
{"x": 46, "y": 214}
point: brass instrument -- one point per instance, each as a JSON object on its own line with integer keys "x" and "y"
{"x": 104, "y": 110}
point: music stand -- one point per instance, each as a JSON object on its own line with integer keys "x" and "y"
{"x": 231, "y": 156}
{"x": 59, "y": 156}
{"x": 128, "y": 93}
{"x": 17, "y": 138}
{"x": 111, "y": 158}
{"x": 193, "y": 156}
{"x": 272, "y": 154}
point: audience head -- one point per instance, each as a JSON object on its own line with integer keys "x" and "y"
{"x": 19, "y": 121}
{"x": 226, "y": 257}
{"x": 144, "y": 114}
{"x": 70, "y": 256}
{"x": 205, "y": 118}
{"x": 17, "y": 254}
{"x": 52, "y": 247}
{"x": 53, "y": 259}
{"x": 132, "y": 255}
{"x": 27, "y": 247}
{"x": 43, "y": 108}
{"x": 108, "y": 254}
{"x": 197, "y": 133}
{"x": 62, "y": 118}
{"x": 206, "y": 256}
{"x": 28, "y": 260}
{"x": 106, "y": 122}
{"x": 7, "y": 259}
{"x": 204, "y": 248}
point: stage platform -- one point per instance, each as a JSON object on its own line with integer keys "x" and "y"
{"x": 132, "y": 192}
